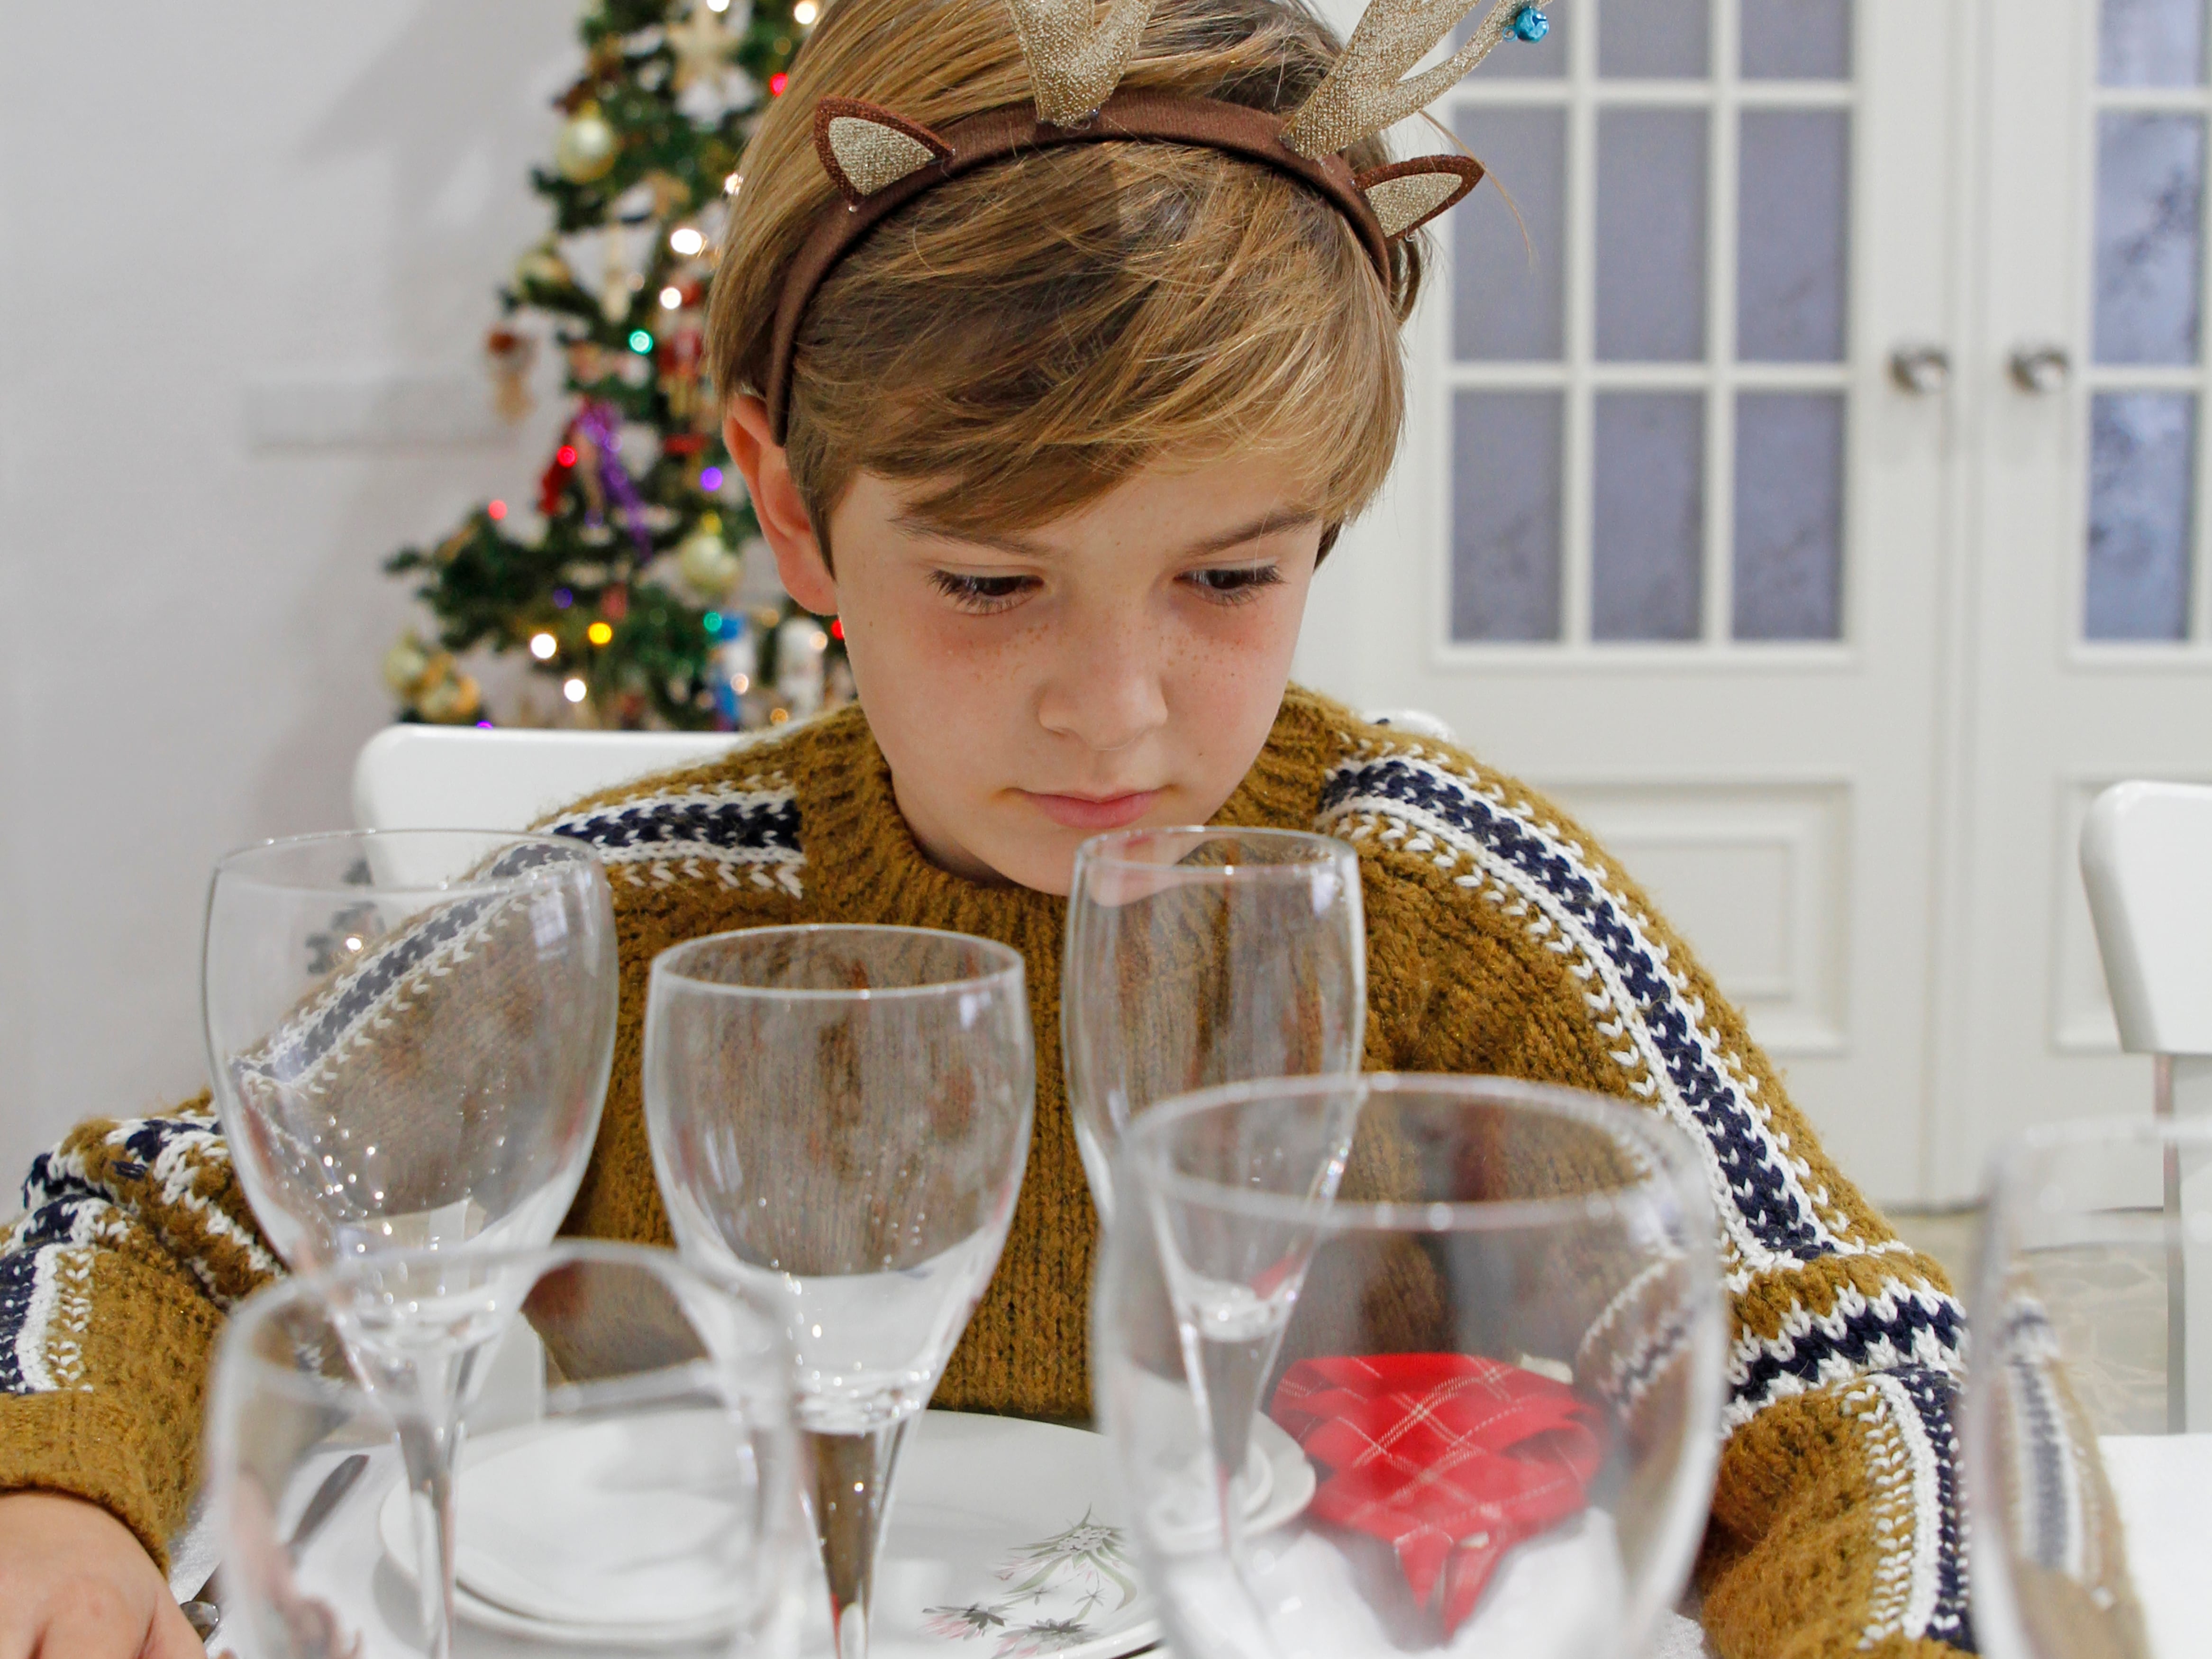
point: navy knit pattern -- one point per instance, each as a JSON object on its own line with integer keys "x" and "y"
{"x": 670, "y": 828}
{"x": 1873, "y": 1339}
{"x": 304, "y": 1045}
{"x": 1758, "y": 1187}
{"x": 1935, "y": 1397}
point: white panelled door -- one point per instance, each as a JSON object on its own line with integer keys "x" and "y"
{"x": 2089, "y": 569}
{"x": 1667, "y": 536}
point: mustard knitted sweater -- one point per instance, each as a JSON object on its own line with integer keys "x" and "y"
{"x": 1501, "y": 940}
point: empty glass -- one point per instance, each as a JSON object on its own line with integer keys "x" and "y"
{"x": 839, "y": 1117}
{"x": 409, "y": 1033}
{"x": 2089, "y": 1399}
{"x": 1204, "y": 956}
{"x": 1462, "y": 1338}
{"x": 626, "y": 1488}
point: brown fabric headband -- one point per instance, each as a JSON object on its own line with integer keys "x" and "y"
{"x": 858, "y": 144}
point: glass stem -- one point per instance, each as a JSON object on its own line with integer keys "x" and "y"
{"x": 1233, "y": 1372}
{"x": 850, "y": 1493}
{"x": 430, "y": 1447}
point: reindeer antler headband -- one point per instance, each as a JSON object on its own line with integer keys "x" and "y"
{"x": 880, "y": 161}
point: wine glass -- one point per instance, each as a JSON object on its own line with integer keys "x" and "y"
{"x": 1204, "y": 956}
{"x": 839, "y": 1118}
{"x": 2089, "y": 1396}
{"x": 1472, "y": 1325}
{"x": 410, "y": 1033}
{"x": 631, "y": 1489}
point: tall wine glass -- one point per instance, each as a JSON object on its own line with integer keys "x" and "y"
{"x": 1488, "y": 1313}
{"x": 839, "y": 1119}
{"x": 2089, "y": 1398}
{"x": 1204, "y": 956}
{"x": 632, "y": 1490}
{"x": 409, "y": 1033}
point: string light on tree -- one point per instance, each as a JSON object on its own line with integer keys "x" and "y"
{"x": 544, "y": 646}
{"x": 687, "y": 240}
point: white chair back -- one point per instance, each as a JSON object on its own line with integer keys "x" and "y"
{"x": 447, "y": 777}
{"x": 2146, "y": 861}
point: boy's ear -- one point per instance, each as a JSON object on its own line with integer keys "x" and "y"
{"x": 785, "y": 522}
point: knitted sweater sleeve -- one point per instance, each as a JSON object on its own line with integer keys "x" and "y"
{"x": 1502, "y": 941}
{"x": 134, "y": 1240}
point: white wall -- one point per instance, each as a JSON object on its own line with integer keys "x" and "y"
{"x": 197, "y": 204}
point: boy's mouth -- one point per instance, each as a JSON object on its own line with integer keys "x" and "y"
{"x": 1094, "y": 813}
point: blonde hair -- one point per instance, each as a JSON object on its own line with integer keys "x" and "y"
{"x": 1024, "y": 336}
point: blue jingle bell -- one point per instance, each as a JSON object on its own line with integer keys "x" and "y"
{"x": 1530, "y": 24}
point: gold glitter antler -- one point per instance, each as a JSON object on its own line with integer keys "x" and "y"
{"x": 1074, "y": 61}
{"x": 1363, "y": 95}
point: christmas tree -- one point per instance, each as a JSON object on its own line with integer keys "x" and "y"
{"x": 619, "y": 582}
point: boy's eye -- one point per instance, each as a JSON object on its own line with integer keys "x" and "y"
{"x": 1235, "y": 583}
{"x": 983, "y": 594}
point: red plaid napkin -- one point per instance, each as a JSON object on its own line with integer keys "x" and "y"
{"x": 1450, "y": 1458}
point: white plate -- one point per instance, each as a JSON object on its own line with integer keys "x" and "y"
{"x": 1005, "y": 1543}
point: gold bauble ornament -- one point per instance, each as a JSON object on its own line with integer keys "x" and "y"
{"x": 707, "y": 564}
{"x": 404, "y": 664}
{"x": 454, "y": 701}
{"x": 586, "y": 148}
{"x": 543, "y": 265}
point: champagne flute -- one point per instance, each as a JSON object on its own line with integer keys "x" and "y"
{"x": 638, "y": 1497}
{"x": 1204, "y": 956}
{"x": 1489, "y": 1314}
{"x": 2089, "y": 1400}
{"x": 839, "y": 1118}
{"x": 410, "y": 1033}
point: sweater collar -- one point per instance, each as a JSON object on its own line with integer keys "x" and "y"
{"x": 863, "y": 862}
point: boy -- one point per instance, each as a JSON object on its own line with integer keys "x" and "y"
{"x": 1061, "y": 436}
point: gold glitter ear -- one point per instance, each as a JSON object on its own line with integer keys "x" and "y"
{"x": 1363, "y": 95}
{"x": 1406, "y": 195}
{"x": 1076, "y": 61}
{"x": 863, "y": 147}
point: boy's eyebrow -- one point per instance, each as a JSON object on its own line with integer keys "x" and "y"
{"x": 1271, "y": 523}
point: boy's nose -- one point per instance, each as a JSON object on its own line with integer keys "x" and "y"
{"x": 1106, "y": 694}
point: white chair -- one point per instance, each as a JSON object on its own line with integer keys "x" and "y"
{"x": 2147, "y": 862}
{"x": 447, "y": 777}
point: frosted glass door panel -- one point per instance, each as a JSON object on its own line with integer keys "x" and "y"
{"x": 1508, "y": 283}
{"x": 1505, "y": 515}
{"x": 1794, "y": 215}
{"x": 1789, "y": 516}
{"x": 2143, "y": 451}
{"x": 2150, "y": 43}
{"x": 1796, "y": 39}
{"x": 1647, "y": 545}
{"x": 2144, "y": 538}
{"x": 1684, "y": 174}
{"x": 1651, "y": 175}
{"x": 1655, "y": 39}
{"x": 2150, "y": 193}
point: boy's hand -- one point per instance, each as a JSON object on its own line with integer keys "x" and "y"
{"x": 75, "y": 1583}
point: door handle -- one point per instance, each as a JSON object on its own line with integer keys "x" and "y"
{"x": 1920, "y": 368}
{"x": 2040, "y": 369}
